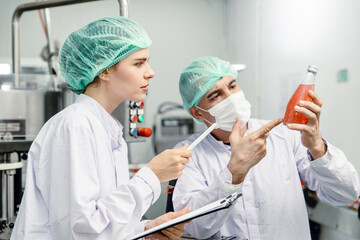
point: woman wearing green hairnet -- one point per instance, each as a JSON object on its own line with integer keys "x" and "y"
{"x": 77, "y": 184}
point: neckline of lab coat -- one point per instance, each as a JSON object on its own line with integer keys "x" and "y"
{"x": 112, "y": 126}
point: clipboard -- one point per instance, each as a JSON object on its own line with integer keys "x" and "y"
{"x": 207, "y": 209}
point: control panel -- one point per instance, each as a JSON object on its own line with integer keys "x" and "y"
{"x": 132, "y": 116}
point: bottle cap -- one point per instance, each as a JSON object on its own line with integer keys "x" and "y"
{"x": 313, "y": 69}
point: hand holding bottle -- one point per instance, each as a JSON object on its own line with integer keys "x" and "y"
{"x": 301, "y": 94}
{"x": 310, "y": 133}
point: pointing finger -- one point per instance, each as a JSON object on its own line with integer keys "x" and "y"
{"x": 264, "y": 130}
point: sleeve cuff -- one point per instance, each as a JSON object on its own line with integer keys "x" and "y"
{"x": 226, "y": 178}
{"x": 321, "y": 161}
{"x": 324, "y": 160}
{"x": 152, "y": 180}
{"x": 140, "y": 227}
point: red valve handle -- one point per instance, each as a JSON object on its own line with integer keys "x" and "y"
{"x": 145, "y": 132}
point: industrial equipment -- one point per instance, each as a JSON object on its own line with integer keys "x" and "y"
{"x": 173, "y": 125}
{"x": 23, "y": 112}
{"x": 132, "y": 116}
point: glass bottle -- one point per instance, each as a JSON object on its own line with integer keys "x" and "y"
{"x": 301, "y": 93}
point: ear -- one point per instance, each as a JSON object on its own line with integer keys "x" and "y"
{"x": 104, "y": 75}
{"x": 196, "y": 113}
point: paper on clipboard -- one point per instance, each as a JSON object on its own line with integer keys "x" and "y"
{"x": 210, "y": 208}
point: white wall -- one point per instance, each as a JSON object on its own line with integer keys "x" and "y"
{"x": 181, "y": 30}
{"x": 282, "y": 38}
{"x": 279, "y": 39}
{"x": 242, "y": 46}
{"x": 324, "y": 33}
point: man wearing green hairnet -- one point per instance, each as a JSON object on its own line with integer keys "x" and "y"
{"x": 248, "y": 156}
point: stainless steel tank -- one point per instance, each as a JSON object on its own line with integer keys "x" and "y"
{"x": 24, "y": 110}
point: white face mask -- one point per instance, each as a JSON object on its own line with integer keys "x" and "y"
{"x": 226, "y": 111}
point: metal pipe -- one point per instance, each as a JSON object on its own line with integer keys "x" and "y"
{"x": 10, "y": 195}
{"x": 124, "y": 8}
{"x": 15, "y": 30}
{"x": 3, "y": 196}
{"x": 48, "y": 30}
{"x": 51, "y": 45}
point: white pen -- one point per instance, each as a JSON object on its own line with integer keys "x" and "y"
{"x": 202, "y": 136}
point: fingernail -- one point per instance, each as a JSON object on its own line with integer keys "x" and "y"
{"x": 289, "y": 125}
{"x": 301, "y": 102}
{"x": 296, "y": 108}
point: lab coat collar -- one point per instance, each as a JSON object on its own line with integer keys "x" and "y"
{"x": 218, "y": 143}
{"x": 112, "y": 125}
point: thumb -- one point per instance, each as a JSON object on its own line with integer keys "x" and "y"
{"x": 180, "y": 149}
{"x": 181, "y": 212}
{"x": 236, "y": 128}
{"x": 185, "y": 146}
{"x": 184, "y": 152}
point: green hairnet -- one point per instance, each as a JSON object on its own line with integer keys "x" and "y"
{"x": 199, "y": 77}
{"x": 98, "y": 46}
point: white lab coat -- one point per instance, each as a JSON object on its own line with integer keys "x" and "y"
{"x": 77, "y": 184}
{"x": 272, "y": 205}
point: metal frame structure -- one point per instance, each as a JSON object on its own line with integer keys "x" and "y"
{"x": 15, "y": 30}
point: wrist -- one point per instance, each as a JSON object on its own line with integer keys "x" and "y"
{"x": 237, "y": 180}
{"x": 154, "y": 170}
{"x": 318, "y": 150}
{"x": 238, "y": 175}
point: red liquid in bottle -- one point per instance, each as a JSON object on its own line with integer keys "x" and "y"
{"x": 301, "y": 93}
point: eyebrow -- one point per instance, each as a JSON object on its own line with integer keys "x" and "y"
{"x": 141, "y": 59}
{"x": 217, "y": 90}
{"x": 231, "y": 82}
{"x": 213, "y": 93}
